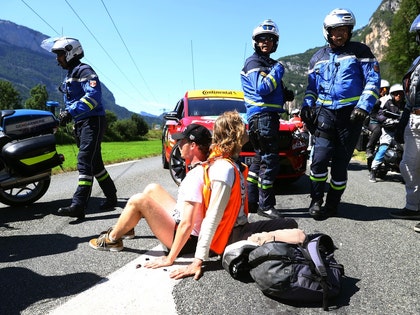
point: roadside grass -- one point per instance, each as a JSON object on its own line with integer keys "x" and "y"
{"x": 112, "y": 152}
{"x": 359, "y": 155}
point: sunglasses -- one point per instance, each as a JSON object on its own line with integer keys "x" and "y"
{"x": 264, "y": 38}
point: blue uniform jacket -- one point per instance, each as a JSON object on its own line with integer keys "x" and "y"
{"x": 346, "y": 76}
{"x": 82, "y": 93}
{"x": 261, "y": 82}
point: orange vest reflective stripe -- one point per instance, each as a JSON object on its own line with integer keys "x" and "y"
{"x": 236, "y": 201}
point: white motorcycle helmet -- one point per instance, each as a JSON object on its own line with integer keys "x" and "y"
{"x": 384, "y": 84}
{"x": 266, "y": 27}
{"x": 336, "y": 18}
{"x": 396, "y": 88}
{"x": 70, "y": 46}
{"x": 415, "y": 27}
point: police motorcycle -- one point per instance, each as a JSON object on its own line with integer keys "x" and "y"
{"x": 28, "y": 153}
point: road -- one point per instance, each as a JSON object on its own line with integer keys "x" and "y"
{"x": 46, "y": 265}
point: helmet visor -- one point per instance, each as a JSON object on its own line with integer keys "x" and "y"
{"x": 265, "y": 37}
{"x": 48, "y": 43}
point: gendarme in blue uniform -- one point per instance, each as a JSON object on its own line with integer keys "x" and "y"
{"x": 261, "y": 79}
{"x": 339, "y": 80}
{"x": 83, "y": 99}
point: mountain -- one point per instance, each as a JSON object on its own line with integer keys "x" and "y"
{"x": 25, "y": 64}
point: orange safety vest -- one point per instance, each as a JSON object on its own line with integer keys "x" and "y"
{"x": 236, "y": 201}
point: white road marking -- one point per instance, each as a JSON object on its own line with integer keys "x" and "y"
{"x": 129, "y": 290}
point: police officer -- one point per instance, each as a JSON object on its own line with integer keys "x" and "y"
{"x": 343, "y": 86}
{"x": 261, "y": 79}
{"x": 83, "y": 103}
{"x": 408, "y": 132}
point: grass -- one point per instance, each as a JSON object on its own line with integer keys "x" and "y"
{"x": 359, "y": 155}
{"x": 112, "y": 152}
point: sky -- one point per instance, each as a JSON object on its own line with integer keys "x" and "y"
{"x": 149, "y": 53}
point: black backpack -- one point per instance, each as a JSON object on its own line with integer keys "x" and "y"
{"x": 307, "y": 273}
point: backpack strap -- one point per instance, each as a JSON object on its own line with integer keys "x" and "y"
{"x": 315, "y": 257}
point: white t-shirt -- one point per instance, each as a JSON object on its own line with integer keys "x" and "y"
{"x": 191, "y": 189}
{"x": 222, "y": 171}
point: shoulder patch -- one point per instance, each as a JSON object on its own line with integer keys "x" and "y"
{"x": 92, "y": 83}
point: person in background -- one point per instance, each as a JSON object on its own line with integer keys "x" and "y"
{"x": 176, "y": 223}
{"x": 296, "y": 119}
{"x": 83, "y": 104}
{"x": 343, "y": 86}
{"x": 374, "y": 126}
{"x": 261, "y": 79}
{"x": 408, "y": 132}
{"x": 388, "y": 117}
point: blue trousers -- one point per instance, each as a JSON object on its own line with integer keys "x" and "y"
{"x": 89, "y": 133}
{"x": 335, "y": 140}
{"x": 264, "y": 136}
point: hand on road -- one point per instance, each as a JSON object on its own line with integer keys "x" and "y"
{"x": 194, "y": 269}
{"x": 162, "y": 261}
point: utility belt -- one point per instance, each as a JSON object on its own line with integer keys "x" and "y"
{"x": 325, "y": 135}
{"x": 264, "y": 114}
{"x": 325, "y": 131}
{"x": 255, "y": 137}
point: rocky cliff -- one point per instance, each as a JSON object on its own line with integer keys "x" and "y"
{"x": 378, "y": 32}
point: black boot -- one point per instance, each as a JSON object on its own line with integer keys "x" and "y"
{"x": 110, "y": 191}
{"x": 315, "y": 207}
{"x": 372, "y": 176}
{"x": 73, "y": 211}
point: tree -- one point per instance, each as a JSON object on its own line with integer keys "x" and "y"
{"x": 142, "y": 127}
{"x": 126, "y": 129}
{"x": 38, "y": 98}
{"x": 9, "y": 96}
{"x": 402, "y": 49}
{"x": 111, "y": 117}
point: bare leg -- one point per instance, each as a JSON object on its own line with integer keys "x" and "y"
{"x": 155, "y": 204}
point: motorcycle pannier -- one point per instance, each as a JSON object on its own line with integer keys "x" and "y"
{"x": 32, "y": 155}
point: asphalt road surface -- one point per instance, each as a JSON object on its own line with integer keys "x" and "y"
{"x": 47, "y": 266}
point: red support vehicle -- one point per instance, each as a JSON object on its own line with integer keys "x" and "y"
{"x": 203, "y": 107}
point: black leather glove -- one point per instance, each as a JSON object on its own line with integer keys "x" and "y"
{"x": 64, "y": 118}
{"x": 288, "y": 95}
{"x": 358, "y": 115}
{"x": 307, "y": 116}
